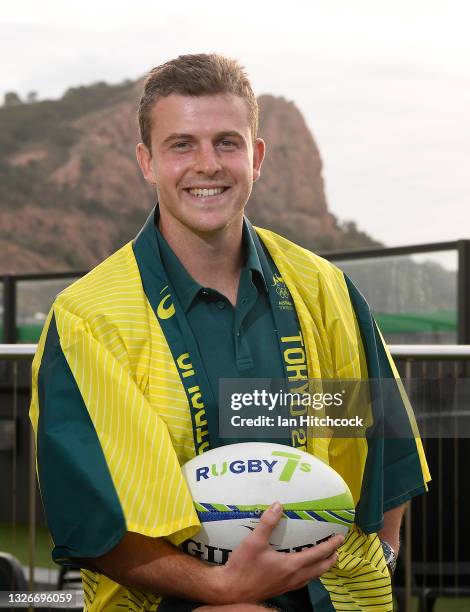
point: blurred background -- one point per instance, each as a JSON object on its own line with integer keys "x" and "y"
{"x": 364, "y": 109}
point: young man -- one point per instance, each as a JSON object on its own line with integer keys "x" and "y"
{"x": 126, "y": 377}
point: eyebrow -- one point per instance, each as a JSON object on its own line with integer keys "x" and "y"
{"x": 176, "y": 136}
{"x": 182, "y": 136}
{"x": 231, "y": 133}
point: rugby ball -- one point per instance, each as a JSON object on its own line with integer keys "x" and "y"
{"x": 232, "y": 485}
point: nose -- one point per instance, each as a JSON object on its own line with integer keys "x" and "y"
{"x": 207, "y": 160}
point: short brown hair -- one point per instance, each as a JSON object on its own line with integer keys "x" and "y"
{"x": 195, "y": 75}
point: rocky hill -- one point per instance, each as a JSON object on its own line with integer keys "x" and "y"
{"x": 71, "y": 191}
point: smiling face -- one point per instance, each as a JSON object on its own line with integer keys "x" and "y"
{"x": 203, "y": 162}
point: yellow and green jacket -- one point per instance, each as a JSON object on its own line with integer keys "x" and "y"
{"x": 113, "y": 421}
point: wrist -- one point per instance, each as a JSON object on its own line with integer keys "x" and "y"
{"x": 394, "y": 542}
{"x": 218, "y": 588}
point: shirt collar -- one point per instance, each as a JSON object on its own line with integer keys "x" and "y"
{"x": 252, "y": 261}
{"x": 183, "y": 283}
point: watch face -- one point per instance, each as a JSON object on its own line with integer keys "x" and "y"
{"x": 389, "y": 555}
{"x": 388, "y": 551}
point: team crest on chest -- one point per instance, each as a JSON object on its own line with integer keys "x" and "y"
{"x": 285, "y": 300}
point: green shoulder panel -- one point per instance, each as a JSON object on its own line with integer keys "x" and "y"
{"x": 393, "y": 472}
{"x": 81, "y": 505}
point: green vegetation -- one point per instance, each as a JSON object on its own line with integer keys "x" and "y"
{"x": 14, "y": 540}
{"x": 442, "y": 605}
{"x": 354, "y": 238}
{"x": 417, "y": 322}
{"x": 48, "y": 121}
{"x": 46, "y": 128}
{"x": 452, "y": 605}
{"x": 27, "y": 334}
{"x": 21, "y": 185}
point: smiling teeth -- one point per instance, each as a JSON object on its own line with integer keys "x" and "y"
{"x": 203, "y": 193}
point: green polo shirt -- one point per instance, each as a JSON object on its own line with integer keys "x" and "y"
{"x": 234, "y": 342}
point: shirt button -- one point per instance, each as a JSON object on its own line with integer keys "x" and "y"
{"x": 238, "y": 334}
{"x": 244, "y": 300}
{"x": 220, "y": 305}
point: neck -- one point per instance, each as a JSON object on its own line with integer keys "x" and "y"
{"x": 213, "y": 259}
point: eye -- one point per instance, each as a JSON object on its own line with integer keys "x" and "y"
{"x": 181, "y": 145}
{"x": 227, "y": 143}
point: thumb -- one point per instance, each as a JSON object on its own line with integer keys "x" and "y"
{"x": 268, "y": 521}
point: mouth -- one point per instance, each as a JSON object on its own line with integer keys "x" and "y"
{"x": 206, "y": 192}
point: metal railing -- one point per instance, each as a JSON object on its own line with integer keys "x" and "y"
{"x": 16, "y": 352}
{"x": 10, "y": 289}
{"x": 415, "y": 352}
{"x": 408, "y": 358}
{"x": 434, "y": 523}
{"x": 9, "y": 283}
{"x": 462, "y": 249}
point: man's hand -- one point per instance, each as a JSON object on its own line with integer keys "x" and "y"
{"x": 255, "y": 571}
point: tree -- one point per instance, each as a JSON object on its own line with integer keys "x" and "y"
{"x": 32, "y": 97}
{"x": 12, "y": 99}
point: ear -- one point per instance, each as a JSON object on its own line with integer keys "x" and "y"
{"x": 259, "y": 150}
{"x": 144, "y": 157}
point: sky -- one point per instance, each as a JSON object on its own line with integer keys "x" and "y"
{"x": 384, "y": 86}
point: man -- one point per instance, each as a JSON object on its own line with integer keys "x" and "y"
{"x": 126, "y": 377}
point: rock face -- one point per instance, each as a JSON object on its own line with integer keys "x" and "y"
{"x": 71, "y": 191}
{"x": 290, "y": 196}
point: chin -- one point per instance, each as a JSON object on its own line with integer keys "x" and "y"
{"x": 213, "y": 221}
{"x": 209, "y": 226}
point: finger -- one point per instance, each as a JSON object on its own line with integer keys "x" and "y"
{"x": 268, "y": 521}
{"x": 306, "y": 574}
{"x": 319, "y": 552}
{"x": 331, "y": 544}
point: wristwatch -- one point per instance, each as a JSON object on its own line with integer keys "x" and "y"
{"x": 390, "y": 556}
